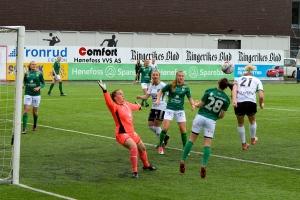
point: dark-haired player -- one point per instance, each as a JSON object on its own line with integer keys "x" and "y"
{"x": 212, "y": 106}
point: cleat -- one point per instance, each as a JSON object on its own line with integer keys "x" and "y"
{"x": 150, "y": 167}
{"x": 135, "y": 175}
{"x": 63, "y": 94}
{"x": 161, "y": 150}
{"x": 166, "y": 141}
{"x": 24, "y": 132}
{"x": 156, "y": 146}
{"x": 34, "y": 128}
{"x": 245, "y": 146}
{"x": 254, "y": 140}
{"x": 146, "y": 105}
{"x": 182, "y": 169}
{"x": 203, "y": 172}
{"x": 49, "y": 93}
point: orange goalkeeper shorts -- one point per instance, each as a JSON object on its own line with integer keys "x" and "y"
{"x": 122, "y": 137}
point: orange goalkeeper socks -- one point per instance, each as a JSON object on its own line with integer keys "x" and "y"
{"x": 144, "y": 158}
{"x": 133, "y": 159}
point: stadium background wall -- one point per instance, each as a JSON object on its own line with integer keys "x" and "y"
{"x": 150, "y": 24}
{"x": 255, "y": 17}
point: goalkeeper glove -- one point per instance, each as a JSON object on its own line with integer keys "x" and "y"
{"x": 102, "y": 85}
{"x": 138, "y": 104}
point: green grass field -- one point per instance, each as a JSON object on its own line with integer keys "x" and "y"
{"x": 74, "y": 154}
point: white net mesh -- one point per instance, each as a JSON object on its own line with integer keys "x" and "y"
{"x": 6, "y": 127}
{"x": 8, "y": 36}
{"x": 7, "y": 91}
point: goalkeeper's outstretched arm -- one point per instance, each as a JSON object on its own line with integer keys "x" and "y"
{"x": 102, "y": 85}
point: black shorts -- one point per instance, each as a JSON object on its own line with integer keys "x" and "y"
{"x": 245, "y": 108}
{"x": 156, "y": 115}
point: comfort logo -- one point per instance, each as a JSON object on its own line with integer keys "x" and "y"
{"x": 34, "y": 52}
{"x": 97, "y": 52}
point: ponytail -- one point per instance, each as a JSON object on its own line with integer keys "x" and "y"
{"x": 224, "y": 83}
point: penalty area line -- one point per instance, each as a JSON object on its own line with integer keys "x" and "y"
{"x": 178, "y": 149}
{"x": 45, "y": 192}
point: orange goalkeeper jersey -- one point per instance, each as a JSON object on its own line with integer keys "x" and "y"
{"x": 122, "y": 114}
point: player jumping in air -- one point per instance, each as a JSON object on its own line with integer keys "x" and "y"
{"x": 212, "y": 106}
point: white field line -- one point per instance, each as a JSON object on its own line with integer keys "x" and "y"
{"x": 178, "y": 149}
{"x": 45, "y": 192}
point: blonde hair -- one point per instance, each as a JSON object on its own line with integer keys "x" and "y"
{"x": 174, "y": 82}
{"x": 29, "y": 68}
{"x": 156, "y": 71}
{"x": 248, "y": 69}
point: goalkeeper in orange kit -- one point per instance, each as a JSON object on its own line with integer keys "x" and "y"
{"x": 125, "y": 134}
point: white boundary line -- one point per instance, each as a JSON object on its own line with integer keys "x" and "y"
{"x": 112, "y": 138}
{"x": 218, "y": 156}
{"x": 45, "y": 192}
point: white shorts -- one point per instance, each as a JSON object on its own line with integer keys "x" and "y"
{"x": 145, "y": 85}
{"x": 57, "y": 77}
{"x": 180, "y": 115}
{"x": 208, "y": 125}
{"x": 32, "y": 100}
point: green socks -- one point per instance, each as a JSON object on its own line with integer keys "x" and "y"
{"x": 60, "y": 87}
{"x": 183, "y": 139}
{"x": 162, "y": 137}
{"x": 51, "y": 87}
{"x": 35, "y": 117}
{"x": 25, "y": 119}
{"x": 206, "y": 155}
{"x": 186, "y": 150}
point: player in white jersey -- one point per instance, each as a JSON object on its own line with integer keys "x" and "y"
{"x": 244, "y": 102}
{"x": 157, "y": 112}
{"x": 153, "y": 65}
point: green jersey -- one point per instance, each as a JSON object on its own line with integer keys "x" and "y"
{"x": 56, "y": 67}
{"x": 215, "y": 101}
{"x": 145, "y": 73}
{"x": 176, "y": 98}
{"x": 33, "y": 79}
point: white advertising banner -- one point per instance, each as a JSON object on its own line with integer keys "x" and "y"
{"x": 3, "y": 60}
{"x": 88, "y": 54}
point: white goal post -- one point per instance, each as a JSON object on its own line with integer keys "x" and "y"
{"x": 17, "y": 113}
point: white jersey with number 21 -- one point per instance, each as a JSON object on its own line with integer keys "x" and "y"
{"x": 247, "y": 88}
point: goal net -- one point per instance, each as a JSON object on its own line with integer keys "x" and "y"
{"x": 10, "y": 103}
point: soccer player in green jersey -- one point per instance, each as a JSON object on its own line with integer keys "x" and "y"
{"x": 145, "y": 73}
{"x": 33, "y": 82}
{"x": 177, "y": 91}
{"x": 56, "y": 72}
{"x": 212, "y": 106}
